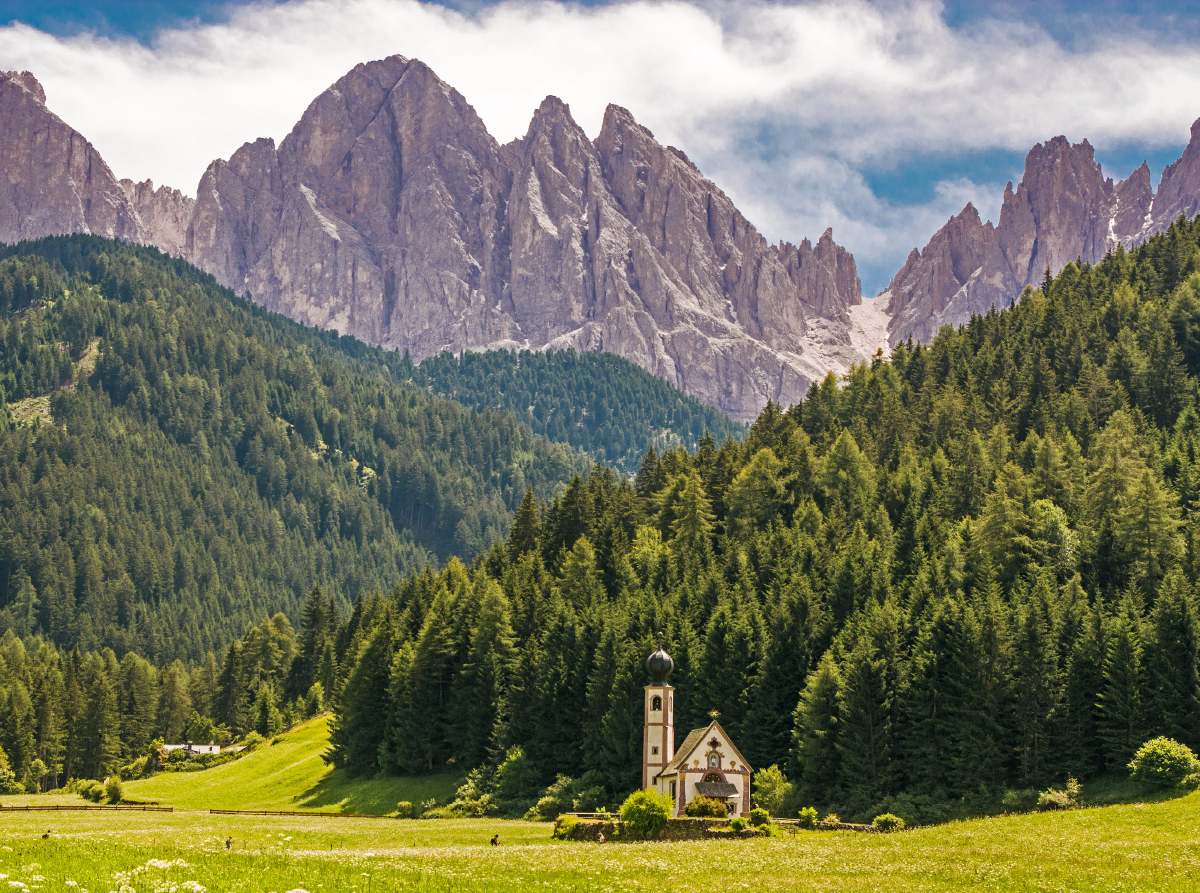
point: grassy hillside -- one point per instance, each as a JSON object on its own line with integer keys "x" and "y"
{"x": 1144, "y": 846}
{"x": 289, "y": 774}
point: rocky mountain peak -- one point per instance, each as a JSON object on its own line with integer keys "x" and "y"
{"x": 28, "y": 81}
{"x": 1179, "y": 188}
{"x": 1064, "y": 208}
{"x": 389, "y": 212}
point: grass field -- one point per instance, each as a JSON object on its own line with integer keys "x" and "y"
{"x": 1137, "y": 846}
{"x": 1128, "y": 848}
{"x": 289, "y": 774}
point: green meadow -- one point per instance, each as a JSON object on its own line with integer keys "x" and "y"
{"x": 1133, "y": 847}
{"x": 1129, "y": 847}
{"x": 289, "y": 774}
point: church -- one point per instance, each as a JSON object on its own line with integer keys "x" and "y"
{"x": 707, "y": 764}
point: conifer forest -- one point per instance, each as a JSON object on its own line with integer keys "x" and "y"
{"x": 967, "y": 567}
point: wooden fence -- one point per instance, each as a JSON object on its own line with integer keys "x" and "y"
{"x": 74, "y": 808}
{"x": 330, "y": 815}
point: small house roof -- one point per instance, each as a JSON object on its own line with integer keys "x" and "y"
{"x": 719, "y": 790}
{"x": 692, "y": 742}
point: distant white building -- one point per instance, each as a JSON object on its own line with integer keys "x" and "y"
{"x": 707, "y": 764}
{"x": 194, "y": 749}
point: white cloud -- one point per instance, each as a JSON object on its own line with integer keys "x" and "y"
{"x": 836, "y": 86}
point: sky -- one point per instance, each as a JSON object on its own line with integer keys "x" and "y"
{"x": 879, "y": 118}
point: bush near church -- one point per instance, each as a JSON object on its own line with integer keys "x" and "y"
{"x": 705, "y": 808}
{"x": 645, "y": 813}
{"x": 1165, "y": 763}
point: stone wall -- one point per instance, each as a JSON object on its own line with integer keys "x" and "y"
{"x": 676, "y": 829}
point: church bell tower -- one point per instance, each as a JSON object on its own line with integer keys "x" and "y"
{"x": 658, "y": 735}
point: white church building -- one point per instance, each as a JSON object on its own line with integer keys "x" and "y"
{"x": 707, "y": 763}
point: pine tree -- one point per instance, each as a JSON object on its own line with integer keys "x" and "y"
{"x": 174, "y": 703}
{"x": 1120, "y": 709}
{"x": 1172, "y": 674}
{"x": 815, "y": 755}
{"x": 231, "y": 702}
{"x": 484, "y": 680}
{"x": 1036, "y": 691}
{"x": 526, "y": 530}
{"x": 360, "y": 728}
{"x": 99, "y": 724}
{"x": 866, "y": 711}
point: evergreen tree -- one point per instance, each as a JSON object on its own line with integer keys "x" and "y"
{"x": 815, "y": 756}
{"x": 1120, "y": 709}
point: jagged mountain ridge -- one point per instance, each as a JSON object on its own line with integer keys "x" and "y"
{"x": 55, "y": 182}
{"x": 390, "y": 213}
{"x": 1064, "y": 208}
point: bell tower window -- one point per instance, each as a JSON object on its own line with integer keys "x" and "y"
{"x": 656, "y": 703}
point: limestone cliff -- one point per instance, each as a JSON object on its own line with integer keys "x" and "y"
{"x": 390, "y": 213}
{"x": 1063, "y": 209}
{"x": 54, "y": 182}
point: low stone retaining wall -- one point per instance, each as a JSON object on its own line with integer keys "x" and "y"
{"x": 844, "y": 826}
{"x": 676, "y": 829}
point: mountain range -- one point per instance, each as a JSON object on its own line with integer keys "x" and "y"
{"x": 391, "y": 214}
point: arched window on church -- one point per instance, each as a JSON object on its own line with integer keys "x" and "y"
{"x": 713, "y": 778}
{"x": 656, "y": 703}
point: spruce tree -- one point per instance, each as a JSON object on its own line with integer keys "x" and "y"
{"x": 1172, "y": 674}
{"x": 1120, "y": 708}
{"x": 815, "y": 762}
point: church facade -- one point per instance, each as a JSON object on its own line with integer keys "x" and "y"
{"x": 706, "y": 764}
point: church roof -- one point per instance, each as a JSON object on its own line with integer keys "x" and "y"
{"x": 719, "y": 790}
{"x": 692, "y": 742}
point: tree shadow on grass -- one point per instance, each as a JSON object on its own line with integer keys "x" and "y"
{"x": 376, "y": 796}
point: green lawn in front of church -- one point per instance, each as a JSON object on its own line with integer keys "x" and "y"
{"x": 1140, "y": 846}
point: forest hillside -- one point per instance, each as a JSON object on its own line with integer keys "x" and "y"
{"x": 967, "y": 568}
{"x": 177, "y": 464}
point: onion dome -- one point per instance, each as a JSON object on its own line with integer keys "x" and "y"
{"x": 660, "y": 666}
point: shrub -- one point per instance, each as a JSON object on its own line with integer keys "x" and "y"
{"x": 739, "y": 824}
{"x": 516, "y": 777}
{"x": 89, "y": 789}
{"x": 314, "y": 701}
{"x": 589, "y": 799}
{"x": 1052, "y": 798}
{"x": 773, "y": 792}
{"x": 113, "y": 791}
{"x": 252, "y": 740}
{"x": 1164, "y": 763}
{"x": 1022, "y": 799}
{"x": 546, "y": 809}
{"x": 888, "y": 822}
{"x": 832, "y": 818}
{"x": 9, "y": 783}
{"x": 136, "y": 769}
{"x": 759, "y": 817}
{"x": 706, "y": 808}
{"x": 405, "y": 810}
{"x": 808, "y": 817}
{"x": 645, "y": 813}
{"x": 921, "y": 809}
{"x": 564, "y": 826}
{"x": 474, "y": 809}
